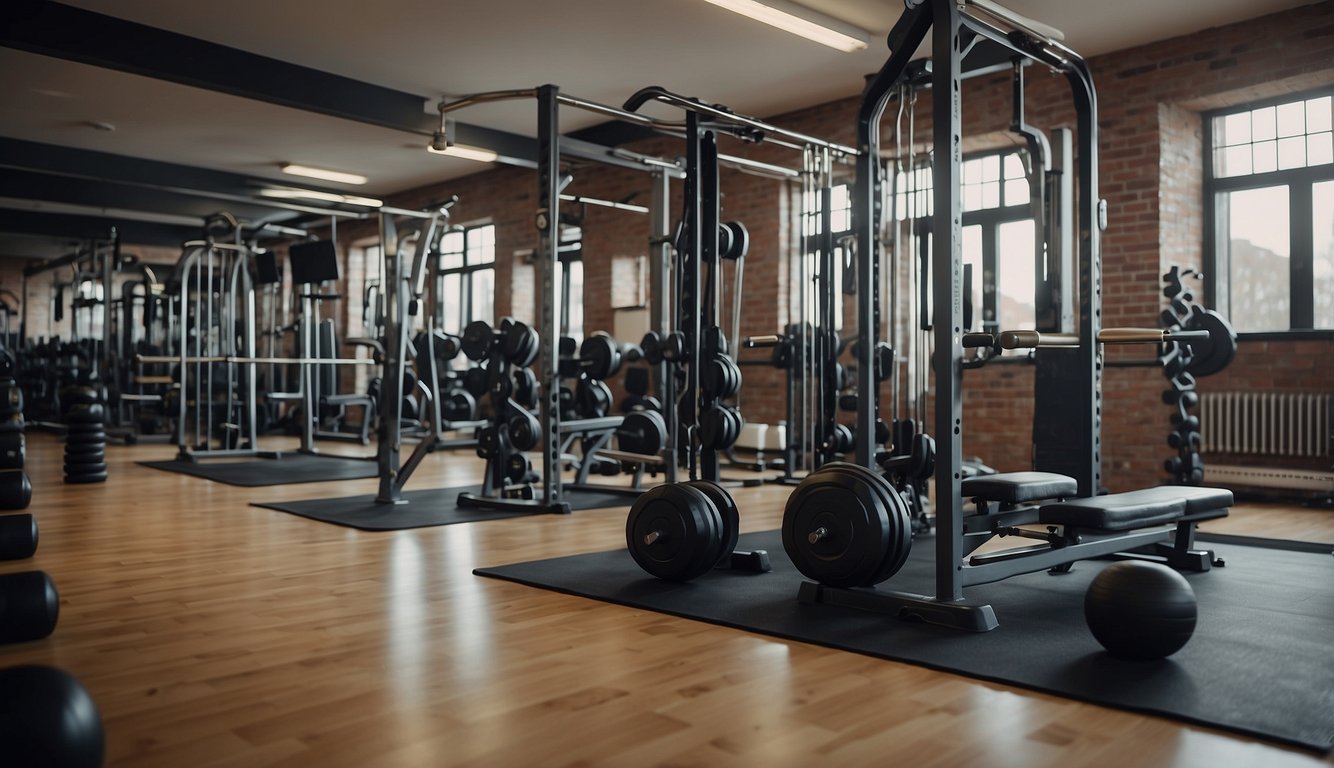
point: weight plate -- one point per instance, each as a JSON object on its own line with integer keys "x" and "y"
{"x": 81, "y": 479}
{"x": 727, "y": 513}
{"x": 1212, "y": 356}
{"x": 599, "y": 356}
{"x": 12, "y": 423}
{"x": 674, "y": 532}
{"x": 474, "y": 380}
{"x": 86, "y": 438}
{"x": 642, "y": 432}
{"x": 592, "y": 398}
{"x": 85, "y": 469}
{"x": 521, "y": 344}
{"x": 477, "y": 340}
{"x": 651, "y": 346}
{"x": 738, "y": 240}
{"x": 86, "y": 414}
{"x": 459, "y": 405}
{"x": 836, "y": 527}
{"x": 524, "y": 430}
{"x": 15, "y": 490}
{"x": 525, "y": 388}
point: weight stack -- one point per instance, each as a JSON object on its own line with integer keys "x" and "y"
{"x": 1187, "y": 467}
{"x": 15, "y": 488}
{"x": 86, "y": 439}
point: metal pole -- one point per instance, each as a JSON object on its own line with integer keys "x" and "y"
{"x": 548, "y": 252}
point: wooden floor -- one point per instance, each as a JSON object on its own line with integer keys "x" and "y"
{"x": 211, "y": 632}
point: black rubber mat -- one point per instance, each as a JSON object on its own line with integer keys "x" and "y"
{"x": 288, "y": 469}
{"x": 1260, "y": 661}
{"x": 425, "y": 508}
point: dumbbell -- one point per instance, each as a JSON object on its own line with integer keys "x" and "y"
{"x": 18, "y": 537}
{"x": 15, "y": 489}
{"x": 29, "y": 606}
{"x": 679, "y": 531}
{"x": 599, "y": 358}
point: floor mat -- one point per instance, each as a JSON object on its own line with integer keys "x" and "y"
{"x": 287, "y": 469}
{"x": 1259, "y": 661}
{"x": 425, "y": 508}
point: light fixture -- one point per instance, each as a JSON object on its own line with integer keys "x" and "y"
{"x": 322, "y": 174}
{"x": 293, "y": 193}
{"x": 442, "y": 143}
{"x": 800, "y": 20}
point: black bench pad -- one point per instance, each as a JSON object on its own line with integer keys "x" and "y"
{"x": 1019, "y": 487}
{"x": 1201, "y": 503}
{"x": 1114, "y": 512}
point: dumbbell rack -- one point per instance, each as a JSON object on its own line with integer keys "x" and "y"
{"x": 1187, "y": 467}
{"x": 506, "y": 355}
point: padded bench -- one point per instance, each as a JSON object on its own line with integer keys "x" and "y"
{"x": 1019, "y": 487}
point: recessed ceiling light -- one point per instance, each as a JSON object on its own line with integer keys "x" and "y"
{"x": 800, "y": 20}
{"x": 321, "y": 173}
{"x": 467, "y": 153}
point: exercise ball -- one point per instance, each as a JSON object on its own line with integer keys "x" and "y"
{"x": 1140, "y": 610}
{"x": 47, "y": 719}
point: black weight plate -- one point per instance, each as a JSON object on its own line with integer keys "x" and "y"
{"x": 738, "y": 240}
{"x": 521, "y": 344}
{"x": 713, "y": 427}
{"x": 592, "y": 398}
{"x": 642, "y": 432}
{"x": 86, "y": 414}
{"x": 899, "y": 517}
{"x": 1216, "y": 354}
{"x": 15, "y": 490}
{"x": 524, "y": 430}
{"x": 477, "y": 339}
{"x": 600, "y": 357}
{"x": 81, "y": 479}
{"x": 651, "y": 346}
{"x": 86, "y": 438}
{"x": 474, "y": 380}
{"x": 73, "y": 470}
{"x": 525, "y": 387}
{"x": 79, "y": 449}
{"x": 685, "y": 528}
{"x": 728, "y": 514}
{"x": 459, "y": 405}
{"x": 855, "y": 523}
{"x": 76, "y": 459}
{"x": 12, "y": 423}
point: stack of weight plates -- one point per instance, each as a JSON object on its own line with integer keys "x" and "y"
{"x": 86, "y": 440}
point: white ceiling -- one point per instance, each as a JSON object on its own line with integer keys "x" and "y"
{"x": 603, "y": 50}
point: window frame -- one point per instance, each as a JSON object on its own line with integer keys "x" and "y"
{"x": 1301, "y": 262}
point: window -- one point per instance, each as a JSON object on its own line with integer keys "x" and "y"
{"x": 570, "y": 283}
{"x": 840, "y": 219}
{"x": 467, "y": 270}
{"x": 1269, "y": 179}
{"x": 999, "y": 236}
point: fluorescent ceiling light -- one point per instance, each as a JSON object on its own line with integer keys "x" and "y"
{"x": 328, "y": 197}
{"x": 467, "y": 153}
{"x": 322, "y": 174}
{"x": 800, "y": 20}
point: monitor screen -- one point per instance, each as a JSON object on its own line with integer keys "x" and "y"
{"x": 313, "y": 262}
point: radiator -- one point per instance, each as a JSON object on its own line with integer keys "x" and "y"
{"x": 1268, "y": 423}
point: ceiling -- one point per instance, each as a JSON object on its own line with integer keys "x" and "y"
{"x": 152, "y": 114}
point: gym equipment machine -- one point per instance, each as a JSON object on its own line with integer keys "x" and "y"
{"x": 845, "y": 527}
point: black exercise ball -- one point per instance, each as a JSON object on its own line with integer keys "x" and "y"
{"x": 48, "y": 719}
{"x": 1140, "y": 610}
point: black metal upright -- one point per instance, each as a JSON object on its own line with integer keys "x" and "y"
{"x": 947, "y": 291}
{"x": 548, "y": 253}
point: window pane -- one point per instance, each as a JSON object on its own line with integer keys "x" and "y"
{"x": 453, "y": 305}
{"x": 972, "y": 197}
{"x": 1236, "y": 161}
{"x": 1014, "y": 167}
{"x": 1266, "y": 157}
{"x": 482, "y": 245}
{"x": 484, "y": 295}
{"x": 1016, "y": 191}
{"x": 1263, "y": 124}
{"x": 1232, "y": 129}
{"x": 1015, "y": 284}
{"x": 1318, "y": 114}
{"x": 1291, "y": 119}
{"x": 972, "y": 171}
{"x": 972, "y": 255}
{"x": 1322, "y": 251}
{"x": 991, "y": 168}
{"x": 1258, "y": 257}
{"x": 1319, "y": 149}
{"x": 1291, "y": 153}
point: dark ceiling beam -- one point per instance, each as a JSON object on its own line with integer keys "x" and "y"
{"x": 66, "y": 32}
{"x": 71, "y": 227}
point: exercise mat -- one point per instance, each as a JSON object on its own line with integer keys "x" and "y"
{"x": 288, "y": 468}
{"x": 1259, "y": 661}
{"x": 425, "y": 508}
